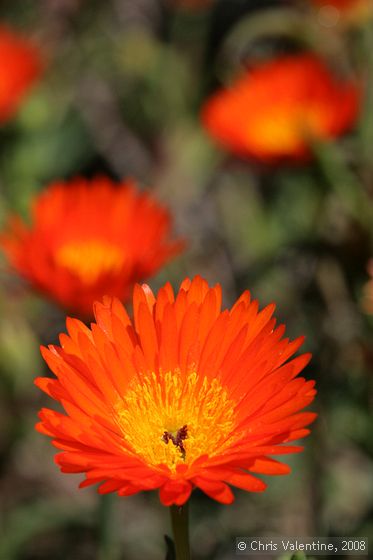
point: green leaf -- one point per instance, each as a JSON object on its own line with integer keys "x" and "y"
{"x": 171, "y": 554}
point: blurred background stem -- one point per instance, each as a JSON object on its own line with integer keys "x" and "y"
{"x": 345, "y": 184}
{"x": 366, "y": 120}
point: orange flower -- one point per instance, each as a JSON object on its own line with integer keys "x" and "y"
{"x": 20, "y": 66}
{"x": 273, "y": 111}
{"x": 348, "y": 10}
{"x": 88, "y": 239}
{"x": 186, "y": 396}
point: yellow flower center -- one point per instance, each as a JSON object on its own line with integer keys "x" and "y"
{"x": 90, "y": 259}
{"x": 287, "y": 130}
{"x": 169, "y": 420}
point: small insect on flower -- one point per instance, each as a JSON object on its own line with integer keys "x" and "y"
{"x": 20, "y": 66}
{"x": 185, "y": 396}
{"x": 274, "y": 111}
{"x": 89, "y": 238}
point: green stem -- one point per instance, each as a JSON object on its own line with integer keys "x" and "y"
{"x": 344, "y": 182}
{"x": 105, "y": 524}
{"x": 180, "y": 528}
{"x": 366, "y": 121}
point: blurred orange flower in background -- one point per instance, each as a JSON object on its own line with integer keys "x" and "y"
{"x": 273, "y": 111}
{"x": 353, "y": 10}
{"x": 89, "y": 238}
{"x": 20, "y": 66}
{"x": 185, "y": 396}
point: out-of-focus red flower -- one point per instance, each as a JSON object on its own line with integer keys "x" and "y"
{"x": 350, "y": 10}
{"x": 186, "y": 396}
{"x": 20, "y": 66}
{"x": 88, "y": 239}
{"x": 274, "y": 110}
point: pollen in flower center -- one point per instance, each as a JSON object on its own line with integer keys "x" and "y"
{"x": 170, "y": 419}
{"x": 90, "y": 259}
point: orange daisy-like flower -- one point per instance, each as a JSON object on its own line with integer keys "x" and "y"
{"x": 89, "y": 239}
{"x": 273, "y": 111}
{"x": 186, "y": 396}
{"x": 20, "y": 66}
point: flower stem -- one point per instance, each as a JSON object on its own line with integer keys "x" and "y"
{"x": 105, "y": 522}
{"x": 180, "y": 528}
